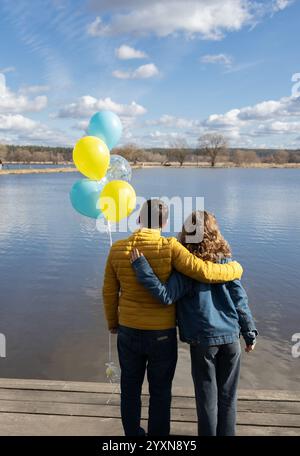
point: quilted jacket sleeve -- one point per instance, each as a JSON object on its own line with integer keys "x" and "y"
{"x": 111, "y": 288}
{"x": 203, "y": 271}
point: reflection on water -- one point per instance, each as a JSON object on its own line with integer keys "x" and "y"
{"x": 52, "y": 263}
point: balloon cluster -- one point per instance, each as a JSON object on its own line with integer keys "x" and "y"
{"x": 106, "y": 192}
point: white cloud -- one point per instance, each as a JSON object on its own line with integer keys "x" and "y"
{"x": 265, "y": 110}
{"x": 229, "y": 119}
{"x": 125, "y": 52}
{"x": 142, "y": 72}
{"x": 9, "y": 69}
{"x": 174, "y": 122}
{"x": 280, "y": 117}
{"x": 95, "y": 26}
{"x": 18, "y": 129}
{"x": 222, "y": 59}
{"x": 33, "y": 89}
{"x": 244, "y": 127}
{"x": 207, "y": 19}
{"x": 234, "y": 68}
{"x": 279, "y": 5}
{"x": 158, "y": 138}
{"x": 157, "y": 134}
{"x": 277, "y": 128}
{"x": 86, "y": 106}
{"x": 16, "y": 122}
{"x": 11, "y": 102}
{"x": 81, "y": 125}
{"x": 145, "y": 71}
{"x": 119, "y": 74}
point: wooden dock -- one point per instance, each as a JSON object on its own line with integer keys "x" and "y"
{"x": 40, "y": 407}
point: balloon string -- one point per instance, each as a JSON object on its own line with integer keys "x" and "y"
{"x": 109, "y": 232}
{"x": 109, "y": 334}
{"x": 109, "y": 348}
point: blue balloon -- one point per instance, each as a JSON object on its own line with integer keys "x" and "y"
{"x": 119, "y": 169}
{"x": 85, "y": 197}
{"x": 107, "y": 126}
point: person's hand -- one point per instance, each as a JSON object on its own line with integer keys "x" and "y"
{"x": 134, "y": 255}
{"x": 113, "y": 330}
{"x": 249, "y": 348}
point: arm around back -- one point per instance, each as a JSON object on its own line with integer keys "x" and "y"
{"x": 203, "y": 271}
{"x": 167, "y": 293}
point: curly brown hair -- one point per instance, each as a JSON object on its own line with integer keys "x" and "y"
{"x": 213, "y": 247}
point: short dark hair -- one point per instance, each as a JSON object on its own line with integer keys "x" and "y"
{"x": 154, "y": 213}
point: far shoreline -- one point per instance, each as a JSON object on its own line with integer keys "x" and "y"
{"x": 143, "y": 165}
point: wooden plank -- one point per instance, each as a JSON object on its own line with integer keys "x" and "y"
{"x": 269, "y": 407}
{"x": 266, "y": 431}
{"x": 62, "y": 396}
{"x": 55, "y": 385}
{"x": 101, "y": 399}
{"x": 265, "y": 395}
{"x": 56, "y": 425}
{"x": 269, "y": 395}
{"x": 58, "y": 385}
{"x": 188, "y": 430}
{"x": 113, "y": 411}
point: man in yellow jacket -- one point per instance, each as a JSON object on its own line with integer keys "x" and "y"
{"x": 147, "y": 339}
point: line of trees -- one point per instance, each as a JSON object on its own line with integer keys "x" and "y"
{"x": 212, "y": 149}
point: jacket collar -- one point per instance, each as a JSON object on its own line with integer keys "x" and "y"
{"x": 154, "y": 233}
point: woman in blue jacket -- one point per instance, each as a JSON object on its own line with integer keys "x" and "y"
{"x": 210, "y": 318}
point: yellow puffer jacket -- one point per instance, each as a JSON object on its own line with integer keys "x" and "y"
{"x": 128, "y": 303}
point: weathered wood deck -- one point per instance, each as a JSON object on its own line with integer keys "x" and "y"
{"x": 39, "y": 407}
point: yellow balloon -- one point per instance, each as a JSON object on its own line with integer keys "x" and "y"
{"x": 91, "y": 157}
{"x": 117, "y": 200}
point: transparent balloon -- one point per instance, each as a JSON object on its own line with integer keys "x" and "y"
{"x": 119, "y": 169}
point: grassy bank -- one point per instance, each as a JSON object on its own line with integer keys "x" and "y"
{"x": 153, "y": 165}
{"x": 37, "y": 171}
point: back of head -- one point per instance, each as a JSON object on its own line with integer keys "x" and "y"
{"x": 154, "y": 214}
{"x": 210, "y": 245}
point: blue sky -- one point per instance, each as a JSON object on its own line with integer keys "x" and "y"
{"x": 172, "y": 70}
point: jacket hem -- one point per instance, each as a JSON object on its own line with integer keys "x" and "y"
{"x": 208, "y": 341}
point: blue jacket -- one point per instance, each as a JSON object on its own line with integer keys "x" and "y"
{"x": 209, "y": 314}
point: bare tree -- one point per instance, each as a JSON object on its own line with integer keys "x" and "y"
{"x": 245, "y": 156}
{"x": 211, "y": 145}
{"x": 3, "y": 152}
{"x": 178, "y": 151}
{"x": 282, "y": 156}
{"x": 294, "y": 157}
{"x": 132, "y": 153}
{"x": 198, "y": 154}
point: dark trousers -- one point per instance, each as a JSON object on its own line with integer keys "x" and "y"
{"x": 215, "y": 372}
{"x": 155, "y": 352}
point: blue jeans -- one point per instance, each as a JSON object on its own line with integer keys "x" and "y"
{"x": 156, "y": 352}
{"x": 215, "y": 372}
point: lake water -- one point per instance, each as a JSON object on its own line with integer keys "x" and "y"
{"x": 52, "y": 263}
